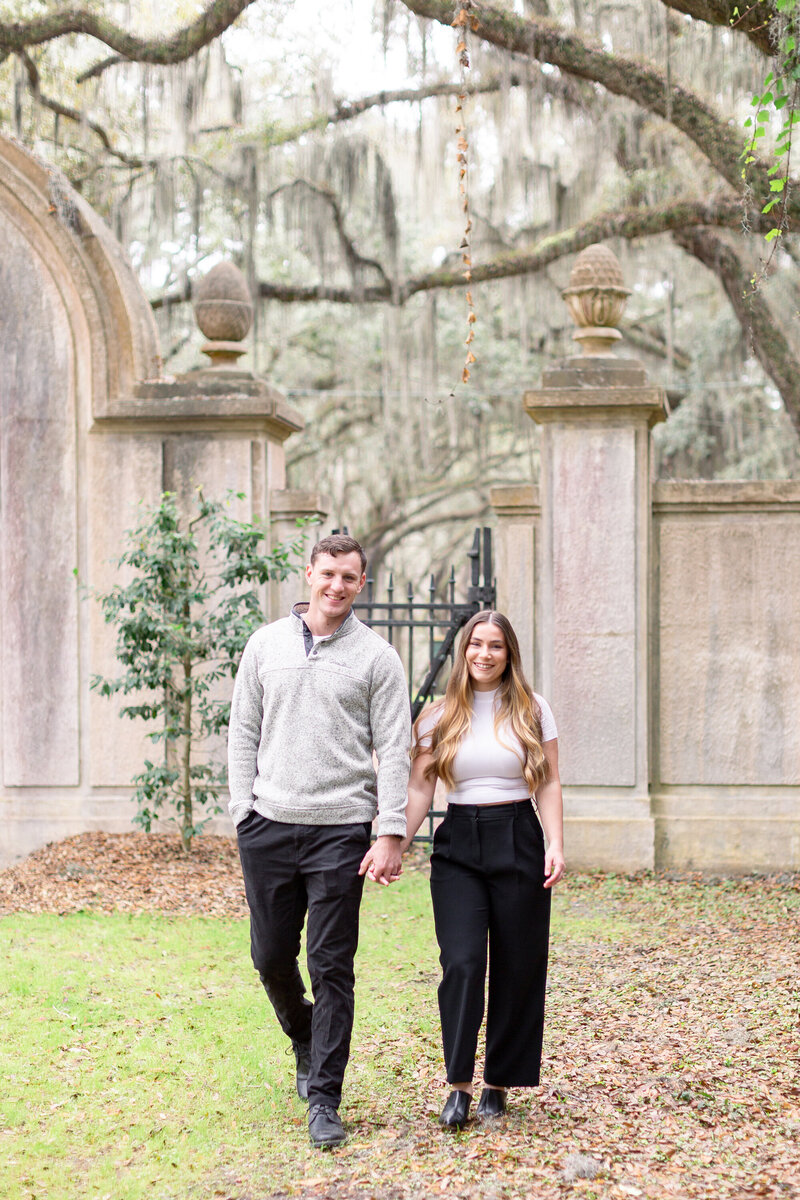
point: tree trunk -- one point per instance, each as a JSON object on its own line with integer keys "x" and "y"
{"x": 187, "y": 823}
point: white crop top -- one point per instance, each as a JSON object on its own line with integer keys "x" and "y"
{"x": 485, "y": 770}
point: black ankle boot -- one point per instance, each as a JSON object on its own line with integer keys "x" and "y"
{"x": 492, "y": 1104}
{"x": 454, "y": 1113}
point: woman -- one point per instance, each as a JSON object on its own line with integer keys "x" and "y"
{"x": 493, "y": 744}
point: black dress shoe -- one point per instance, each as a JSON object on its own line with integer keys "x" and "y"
{"x": 325, "y": 1127}
{"x": 454, "y": 1113}
{"x": 302, "y": 1056}
{"x": 492, "y": 1104}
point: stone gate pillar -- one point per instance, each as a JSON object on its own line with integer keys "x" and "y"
{"x": 592, "y": 605}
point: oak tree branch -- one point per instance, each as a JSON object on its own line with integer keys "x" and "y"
{"x": 180, "y": 45}
{"x": 751, "y": 19}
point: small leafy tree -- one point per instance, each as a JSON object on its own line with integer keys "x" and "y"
{"x": 181, "y": 625}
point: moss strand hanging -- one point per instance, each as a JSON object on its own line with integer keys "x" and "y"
{"x": 465, "y": 21}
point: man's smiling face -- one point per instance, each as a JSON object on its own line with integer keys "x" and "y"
{"x": 335, "y": 581}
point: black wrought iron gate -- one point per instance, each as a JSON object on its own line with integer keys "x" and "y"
{"x": 424, "y": 631}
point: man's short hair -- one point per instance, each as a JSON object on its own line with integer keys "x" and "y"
{"x": 339, "y": 543}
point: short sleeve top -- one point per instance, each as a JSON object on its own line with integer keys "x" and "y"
{"x": 488, "y": 770}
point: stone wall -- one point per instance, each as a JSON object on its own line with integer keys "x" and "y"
{"x": 726, "y": 696}
{"x": 76, "y": 330}
{"x": 722, "y": 706}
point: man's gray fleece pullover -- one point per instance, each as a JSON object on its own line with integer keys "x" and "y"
{"x": 303, "y": 728}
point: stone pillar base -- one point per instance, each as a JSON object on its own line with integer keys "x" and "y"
{"x": 608, "y": 833}
{"x": 728, "y": 830}
{"x": 46, "y": 815}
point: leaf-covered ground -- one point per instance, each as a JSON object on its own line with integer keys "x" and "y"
{"x": 672, "y": 1055}
{"x": 127, "y": 872}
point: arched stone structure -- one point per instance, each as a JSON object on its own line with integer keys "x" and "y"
{"x": 63, "y": 241}
{"x": 89, "y": 429}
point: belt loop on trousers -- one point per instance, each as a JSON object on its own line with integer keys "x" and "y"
{"x": 476, "y": 839}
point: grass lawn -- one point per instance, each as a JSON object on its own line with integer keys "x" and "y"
{"x": 139, "y": 1057}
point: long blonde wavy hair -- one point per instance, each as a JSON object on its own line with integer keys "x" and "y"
{"x": 516, "y": 710}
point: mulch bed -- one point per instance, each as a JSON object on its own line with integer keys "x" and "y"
{"x": 127, "y": 872}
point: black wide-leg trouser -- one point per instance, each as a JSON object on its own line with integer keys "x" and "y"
{"x": 291, "y": 870}
{"x": 487, "y": 885}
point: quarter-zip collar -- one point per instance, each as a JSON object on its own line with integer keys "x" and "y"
{"x": 298, "y": 612}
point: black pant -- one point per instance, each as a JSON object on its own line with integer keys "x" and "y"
{"x": 487, "y": 881}
{"x": 290, "y": 870}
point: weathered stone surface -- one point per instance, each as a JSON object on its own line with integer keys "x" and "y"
{"x": 592, "y": 587}
{"x": 692, "y": 650}
{"x": 587, "y": 373}
{"x": 735, "y": 830}
{"x": 38, "y": 537}
{"x": 130, "y": 471}
{"x": 223, "y": 307}
{"x": 517, "y": 509}
{"x": 207, "y": 400}
{"x": 592, "y": 602}
{"x": 726, "y": 791}
{"x": 607, "y": 843}
{"x": 108, "y": 312}
{"x": 729, "y": 631}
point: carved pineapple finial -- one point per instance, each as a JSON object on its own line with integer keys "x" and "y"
{"x": 596, "y": 297}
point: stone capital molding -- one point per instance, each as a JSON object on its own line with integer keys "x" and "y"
{"x": 576, "y": 404}
{"x": 288, "y": 504}
{"x": 515, "y": 500}
{"x": 205, "y": 400}
{"x": 726, "y": 496}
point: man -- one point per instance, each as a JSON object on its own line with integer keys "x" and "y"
{"x": 315, "y": 694}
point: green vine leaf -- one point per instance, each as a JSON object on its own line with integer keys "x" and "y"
{"x": 778, "y": 96}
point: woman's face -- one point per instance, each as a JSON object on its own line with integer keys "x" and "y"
{"x": 486, "y": 654}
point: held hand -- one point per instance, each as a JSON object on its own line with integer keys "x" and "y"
{"x": 553, "y": 866}
{"x": 383, "y": 861}
{"x": 366, "y": 861}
